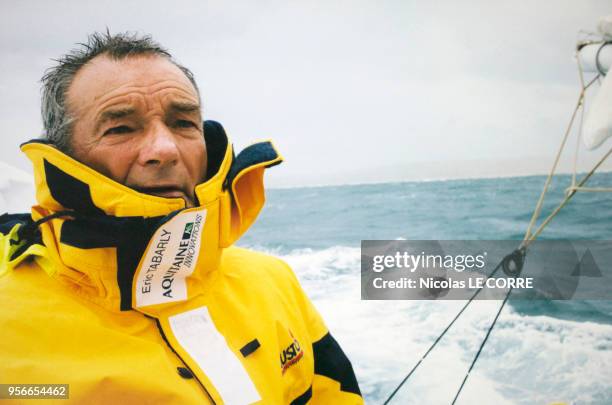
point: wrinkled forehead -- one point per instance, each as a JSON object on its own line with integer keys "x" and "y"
{"x": 103, "y": 76}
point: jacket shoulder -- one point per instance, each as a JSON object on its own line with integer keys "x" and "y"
{"x": 263, "y": 275}
{"x": 249, "y": 263}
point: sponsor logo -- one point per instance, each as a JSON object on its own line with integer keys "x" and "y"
{"x": 170, "y": 259}
{"x": 184, "y": 255}
{"x": 187, "y": 230}
{"x": 291, "y": 355}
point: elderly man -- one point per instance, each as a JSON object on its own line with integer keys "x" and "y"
{"x": 122, "y": 282}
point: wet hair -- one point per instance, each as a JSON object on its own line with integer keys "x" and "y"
{"x": 57, "y": 121}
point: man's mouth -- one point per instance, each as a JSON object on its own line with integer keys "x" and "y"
{"x": 163, "y": 191}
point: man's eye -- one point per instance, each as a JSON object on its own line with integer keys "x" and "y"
{"x": 185, "y": 124}
{"x": 122, "y": 129}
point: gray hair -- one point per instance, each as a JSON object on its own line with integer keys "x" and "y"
{"x": 57, "y": 121}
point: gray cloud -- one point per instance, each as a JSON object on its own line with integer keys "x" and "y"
{"x": 344, "y": 87}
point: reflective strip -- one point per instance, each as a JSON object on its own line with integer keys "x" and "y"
{"x": 196, "y": 333}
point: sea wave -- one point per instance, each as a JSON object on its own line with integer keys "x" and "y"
{"x": 528, "y": 358}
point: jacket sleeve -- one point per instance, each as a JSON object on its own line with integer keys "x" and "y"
{"x": 334, "y": 381}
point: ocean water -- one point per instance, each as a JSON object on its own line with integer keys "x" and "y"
{"x": 540, "y": 352}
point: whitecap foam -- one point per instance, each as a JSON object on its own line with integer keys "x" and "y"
{"x": 528, "y": 359}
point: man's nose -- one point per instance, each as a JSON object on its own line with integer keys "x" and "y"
{"x": 159, "y": 147}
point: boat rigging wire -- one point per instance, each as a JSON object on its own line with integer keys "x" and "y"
{"x": 538, "y": 209}
{"x": 481, "y": 346}
{"x": 433, "y": 345}
{"x": 512, "y": 263}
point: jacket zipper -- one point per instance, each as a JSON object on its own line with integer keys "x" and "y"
{"x": 163, "y": 335}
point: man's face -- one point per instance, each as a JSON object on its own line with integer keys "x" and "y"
{"x": 138, "y": 121}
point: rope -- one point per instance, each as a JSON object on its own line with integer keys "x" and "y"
{"x": 568, "y": 197}
{"x": 441, "y": 335}
{"x": 538, "y": 208}
{"x": 589, "y": 189}
{"x": 529, "y": 236}
{"x": 536, "y": 212}
{"x": 579, "y": 137}
{"x": 28, "y": 231}
{"x": 597, "y": 63}
{"x": 484, "y": 341}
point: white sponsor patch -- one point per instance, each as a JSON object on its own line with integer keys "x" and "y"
{"x": 197, "y": 334}
{"x": 171, "y": 257}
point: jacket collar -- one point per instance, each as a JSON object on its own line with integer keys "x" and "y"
{"x": 65, "y": 183}
{"x": 100, "y": 248}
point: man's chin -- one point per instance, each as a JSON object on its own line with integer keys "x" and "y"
{"x": 189, "y": 201}
{"x": 168, "y": 194}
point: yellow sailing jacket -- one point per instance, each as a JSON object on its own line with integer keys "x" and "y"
{"x": 131, "y": 298}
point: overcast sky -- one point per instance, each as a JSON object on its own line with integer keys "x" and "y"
{"x": 351, "y": 91}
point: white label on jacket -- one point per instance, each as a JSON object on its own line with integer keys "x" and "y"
{"x": 196, "y": 333}
{"x": 170, "y": 258}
